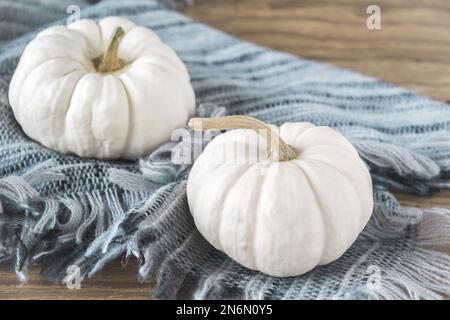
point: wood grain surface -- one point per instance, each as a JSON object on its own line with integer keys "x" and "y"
{"x": 412, "y": 49}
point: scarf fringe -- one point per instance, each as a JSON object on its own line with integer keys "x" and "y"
{"x": 422, "y": 274}
{"x": 29, "y": 219}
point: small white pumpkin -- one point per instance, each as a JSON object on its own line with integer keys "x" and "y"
{"x": 106, "y": 90}
{"x": 299, "y": 205}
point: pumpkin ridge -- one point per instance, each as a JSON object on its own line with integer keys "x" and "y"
{"x": 226, "y": 196}
{"x": 79, "y": 146}
{"x": 99, "y": 142}
{"x": 70, "y": 103}
{"x": 200, "y": 174}
{"x": 349, "y": 182}
{"x": 61, "y": 77}
{"x": 129, "y": 106}
{"x": 39, "y": 65}
{"x": 169, "y": 55}
{"x": 91, "y": 46}
{"x": 70, "y": 37}
{"x": 180, "y": 75}
{"x": 341, "y": 142}
{"x": 256, "y": 220}
{"x": 317, "y": 194}
{"x": 263, "y": 185}
{"x": 52, "y": 42}
{"x": 321, "y": 210}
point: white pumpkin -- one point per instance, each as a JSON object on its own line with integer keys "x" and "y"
{"x": 107, "y": 90}
{"x": 297, "y": 206}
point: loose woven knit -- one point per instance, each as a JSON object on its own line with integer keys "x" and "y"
{"x": 60, "y": 210}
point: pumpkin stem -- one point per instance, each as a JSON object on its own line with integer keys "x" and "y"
{"x": 110, "y": 61}
{"x": 274, "y": 141}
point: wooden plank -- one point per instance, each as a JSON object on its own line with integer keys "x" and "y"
{"x": 412, "y": 49}
{"x": 112, "y": 283}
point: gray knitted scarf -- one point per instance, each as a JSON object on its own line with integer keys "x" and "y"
{"x": 60, "y": 210}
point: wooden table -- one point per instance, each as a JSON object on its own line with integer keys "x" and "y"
{"x": 411, "y": 49}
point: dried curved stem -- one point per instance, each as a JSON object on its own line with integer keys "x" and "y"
{"x": 110, "y": 61}
{"x": 274, "y": 141}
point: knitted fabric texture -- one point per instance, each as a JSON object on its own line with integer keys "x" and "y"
{"x": 60, "y": 210}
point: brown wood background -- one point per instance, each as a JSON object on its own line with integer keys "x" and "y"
{"x": 412, "y": 49}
